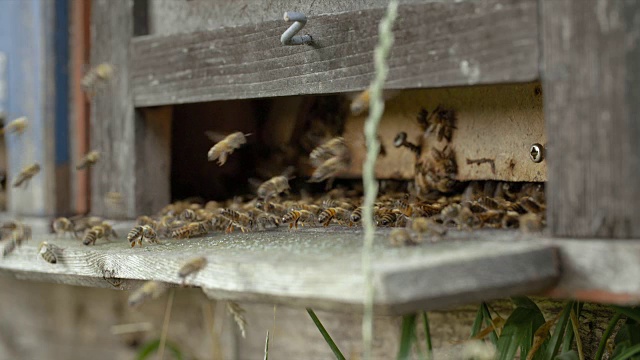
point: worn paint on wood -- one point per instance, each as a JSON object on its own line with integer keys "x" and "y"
{"x": 487, "y": 41}
{"x": 498, "y": 122}
{"x": 315, "y": 267}
{"x": 591, "y": 85}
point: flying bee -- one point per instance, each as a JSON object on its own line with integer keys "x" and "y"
{"x": 26, "y": 174}
{"x": 99, "y": 74}
{"x": 360, "y": 103}
{"x": 148, "y": 291}
{"x": 297, "y": 216}
{"x": 239, "y": 220}
{"x": 146, "y": 220}
{"x": 191, "y": 267}
{"x": 49, "y": 252}
{"x": 442, "y": 122}
{"x": 329, "y": 169}
{"x": 225, "y": 147}
{"x": 273, "y": 187}
{"x": 63, "y": 225}
{"x": 339, "y": 214}
{"x": 92, "y": 235}
{"x": 90, "y": 159}
{"x": 336, "y": 147}
{"x": 401, "y": 237}
{"x": 17, "y": 126}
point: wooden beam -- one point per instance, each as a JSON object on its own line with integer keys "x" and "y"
{"x": 437, "y": 44}
{"x": 135, "y": 147}
{"x": 591, "y": 52}
{"x": 317, "y": 268}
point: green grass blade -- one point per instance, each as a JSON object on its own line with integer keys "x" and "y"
{"x": 477, "y": 323}
{"x": 605, "y": 336}
{"x": 427, "y": 334}
{"x": 266, "y": 347}
{"x": 575, "y": 323}
{"x": 567, "y": 342}
{"x": 629, "y": 312}
{"x": 487, "y": 320}
{"x": 627, "y": 354}
{"x": 326, "y": 335}
{"x": 518, "y": 330}
{"x": 554, "y": 341}
{"x": 569, "y": 355}
{"x": 408, "y": 334}
{"x": 153, "y": 346}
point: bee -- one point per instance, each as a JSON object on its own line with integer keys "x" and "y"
{"x": 422, "y": 225}
{"x": 239, "y": 220}
{"x": 221, "y": 150}
{"x": 511, "y": 220}
{"x": 269, "y": 207}
{"x": 146, "y": 220}
{"x": 336, "y": 203}
{"x": 149, "y": 234}
{"x": 49, "y": 252}
{"x": 329, "y": 169}
{"x": 99, "y": 74}
{"x": 265, "y": 220}
{"x": 108, "y": 230}
{"x": 442, "y": 122}
{"x": 93, "y": 234}
{"x": 135, "y": 235}
{"x": 336, "y": 147}
{"x": 360, "y": 104}
{"x": 188, "y": 215}
{"x": 273, "y": 187}
{"x": 26, "y": 174}
{"x": 386, "y": 217}
{"x": 530, "y": 205}
{"x": 9, "y": 246}
{"x": 297, "y": 216}
{"x": 17, "y": 126}
{"x": 329, "y": 214}
{"x": 423, "y": 119}
{"x": 149, "y": 290}
{"x": 401, "y": 237}
{"x": 21, "y": 233}
{"x": 531, "y": 222}
{"x": 191, "y": 267}
{"x": 182, "y": 232}
{"x": 63, "y": 225}
{"x": 90, "y": 159}
{"x": 356, "y": 216}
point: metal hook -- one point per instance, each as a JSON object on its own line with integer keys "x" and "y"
{"x": 289, "y": 37}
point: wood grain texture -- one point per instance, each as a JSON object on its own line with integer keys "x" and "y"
{"x": 316, "y": 268}
{"x": 496, "y": 122}
{"x": 437, "y": 44}
{"x": 112, "y": 114}
{"x": 135, "y": 146}
{"x": 591, "y": 52}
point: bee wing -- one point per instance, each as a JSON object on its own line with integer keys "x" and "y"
{"x": 215, "y": 136}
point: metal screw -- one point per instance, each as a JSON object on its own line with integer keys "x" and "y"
{"x": 401, "y": 140}
{"x": 288, "y": 37}
{"x": 536, "y": 153}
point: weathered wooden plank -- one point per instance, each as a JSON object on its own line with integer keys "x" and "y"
{"x": 316, "y": 267}
{"x": 498, "y": 123}
{"x": 437, "y": 44}
{"x": 591, "y": 83}
{"x": 135, "y": 147}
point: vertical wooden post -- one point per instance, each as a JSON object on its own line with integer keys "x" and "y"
{"x": 135, "y": 147}
{"x": 591, "y": 51}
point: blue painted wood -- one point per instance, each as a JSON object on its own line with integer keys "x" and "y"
{"x": 27, "y": 38}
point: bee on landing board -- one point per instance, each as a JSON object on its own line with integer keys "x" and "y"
{"x": 49, "y": 252}
{"x": 225, "y": 147}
